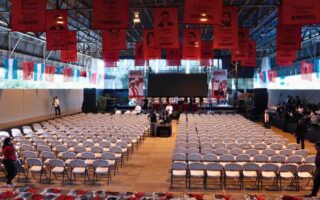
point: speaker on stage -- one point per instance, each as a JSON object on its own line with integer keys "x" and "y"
{"x": 89, "y": 104}
{"x": 260, "y": 101}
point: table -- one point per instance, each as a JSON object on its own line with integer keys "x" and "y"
{"x": 164, "y": 130}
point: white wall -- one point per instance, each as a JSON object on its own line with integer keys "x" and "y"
{"x": 307, "y": 96}
{"x": 18, "y": 104}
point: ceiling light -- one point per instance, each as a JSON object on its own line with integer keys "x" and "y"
{"x": 136, "y": 18}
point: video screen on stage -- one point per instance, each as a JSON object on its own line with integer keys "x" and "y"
{"x": 181, "y": 85}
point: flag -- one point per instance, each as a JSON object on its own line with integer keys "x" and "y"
{"x": 50, "y": 72}
{"x": 67, "y": 74}
{"x": 306, "y": 71}
{"x": 59, "y": 70}
{"x": 38, "y": 72}
{"x": 28, "y": 68}
{"x": 75, "y": 75}
{"x": 11, "y": 69}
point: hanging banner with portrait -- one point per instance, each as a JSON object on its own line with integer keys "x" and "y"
{"x": 114, "y": 39}
{"x": 207, "y": 54}
{"x": 219, "y": 84}
{"x": 57, "y": 40}
{"x": 191, "y": 48}
{"x": 202, "y": 11}
{"x": 136, "y": 78}
{"x": 286, "y": 57}
{"x": 252, "y": 55}
{"x": 166, "y": 27}
{"x": 300, "y": 12}
{"x": 226, "y": 34}
{"x": 69, "y": 56}
{"x": 241, "y": 54}
{"x": 28, "y": 15}
{"x": 110, "y": 56}
{"x": 72, "y": 40}
{"x": 289, "y": 37}
{"x": 272, "y": 75}
{"x": 56, "y": 20}
{"x": 150, "y": 49}
{"x": 28, "y": 68}
{"x": 108, "y": 14}
{"x": 306, "y": 71}
{"x": 173, "y": 57}
{"x": 139, "y": 59}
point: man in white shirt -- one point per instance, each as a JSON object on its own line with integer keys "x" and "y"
{"x": 169, "y": 110}
{"x": 56, "y": 104}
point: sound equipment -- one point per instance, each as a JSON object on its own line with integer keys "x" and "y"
{"x": 89, "y": 104}
{"x": 260, "y": 100}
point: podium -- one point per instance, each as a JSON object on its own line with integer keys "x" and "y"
{"x": 164, "y": 130}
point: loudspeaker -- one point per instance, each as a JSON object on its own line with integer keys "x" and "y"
{"x": 260, "y": 100}
{"x": 89, "y": 104}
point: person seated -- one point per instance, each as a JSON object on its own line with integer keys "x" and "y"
{"x": 313, "y": 117}
{"x": 138, "y": 109}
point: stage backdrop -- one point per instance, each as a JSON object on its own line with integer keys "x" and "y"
{"x": 219, "y": 84}
{"x": 136, "y": 84}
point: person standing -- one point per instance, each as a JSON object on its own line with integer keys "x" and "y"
{"x": 56, "y": 104}
{"x": 301, "y": 130}
{"x": 153, "y": 122}
{"x": 169, "y": 111}
{"x": 9, "y": 161}
{"x": 316, "y": 182}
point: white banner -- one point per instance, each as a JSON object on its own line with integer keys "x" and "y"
{"x": 135, "y": 84}
{"x": 219, "y": 84}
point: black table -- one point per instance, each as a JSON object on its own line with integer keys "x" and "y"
{"x": 164, "y": 130}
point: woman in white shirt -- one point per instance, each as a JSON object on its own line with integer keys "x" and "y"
{"x": 56, "y": 104}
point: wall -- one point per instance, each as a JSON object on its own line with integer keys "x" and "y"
{"x": 307, "y": 96}
{"x": 18, "y": 104}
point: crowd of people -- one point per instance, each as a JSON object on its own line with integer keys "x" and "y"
{"x": 294, "y": 110}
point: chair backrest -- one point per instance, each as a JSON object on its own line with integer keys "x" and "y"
{"x": 56, "y": 163}
{"x": 226, "y": 158}
{"x": 278, "y": 159}
{"x": 179, "y": 166}
{"x": 210, "y": 158}
{"x": 235, "y": 152}
{"x": 181, "y": 145}
{"x": 269, "y": 152}
{"x": 194, "y": 157}
{"x": 26, "y": 148}
{"x": 245, "y": 146}
{"x": 77, "y": 163}
{"x": 302, "y": 152}
{"x": 95, "y": 149}
{"x": 270, "y": 167}
{"x": 221, "y": 151}
{"x": 100, "y": 163}
{"x": 214, "y": 167}
{"x": 233, "y": 167}
{"x": 310, "y": 159}
{"x": 252, "y": 152}
{"x": 78, "y": 149}
{"x": 197, "y": 166}
{"x": 29, "y": 154}
{"x": 260, "y": 146}
{"x": 48, "y": 154}
{"x": 179, "y": 157}
{"x": 286, "y": 152}
{"x": 251, "y": 167}
{"x": 242, "y": 158}
{"x": 43, "y": 148}
{"x": 294, "y": 159}
{"x": 193, "y": 145}
{"x": 288, "y": 168}
{"x": 115, "y": 150}
{"x": 293, "y": 146}
{"x": 108, "y": 156}
{"x": 34, "y": 162}
{"x": 88, "y": 144}
{"x": 260, "y": 158}
{"x": 105, "y": 144}
{"x": 219, "y": 146}
{"x": 192, "y": 151}
{"x": 276, "y": 146}
{"x": 306, "y": 168}
{"x": 68, "y": 155}
{"x": 87, "y": 155}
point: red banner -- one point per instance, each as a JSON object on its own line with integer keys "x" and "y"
{"x": 56, "y": 20}
{"x": 150, "y": 49}
{"x": 28, "y": 15}
{"x": 50, "y": 72}
{"x": 202, "y": 11}
{"x": 288, "y": 37}
{"x": 252, "y": 55}
{"x": 166, "y": 27}
{"x": 139, "y": 59}
{"x": 28, "y": 68}
{"x": 306, "y": 71}
{"x": 226, "y": 34}
{"x": 272, "y": 75}
{"x": 110, "y": 14}
{"x": 69, "y": 56}
{"x": 241, "y": 54}
{"x": 57, "y": 40}
{"x": 110, "y": 56}
{"x": 83, "y": 73}
{"x": 67, "y": 74}
{"x": 191, "y": 44}
{"x": 207, "y": 54}
{"x": 114, "y": 39}
{"x": 300, "y": 12}
{"x": 72, "y": 40}
{"x": 110, "y": 64}
{"x": 286, "y": 57}
{"x": 173, "y": 57}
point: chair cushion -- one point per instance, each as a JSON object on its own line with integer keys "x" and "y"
{"x": 78, "y": 170}
{"x": 286, "y": 175}
{"x": 102, "y": 170}
{"x": 304, "y": 175}
{"x": 88, "y": 162}
{"x": 213, "y": 174}
{"x": 35, "y": 169}
{"x": 250, "y": 174}
{"x": 269, "y": 174}
{"x": 58, "y": 170}
{"x": 197, "y": 173}
{"x": 232, "y": 173}
{"x": 179, "y": 172}
{"x": 111, "y": 162}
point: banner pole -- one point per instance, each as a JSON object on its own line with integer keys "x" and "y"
{"x": 236, "y": 94}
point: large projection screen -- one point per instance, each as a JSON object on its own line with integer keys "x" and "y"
{"x": 180, "y": 85}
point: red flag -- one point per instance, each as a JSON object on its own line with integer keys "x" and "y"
{"x": 207, "y": 54}
{"x": 202, "y": 11}
{"x": 110, "y": 14}
{"x": 173, "y": 57}
{"x": 300, "y": 12}
{"x": 110, "y": 56}
{"x": 150, "y": 49}
{"x": 191, "y": 44}
{"x": 67, "y": 74}
{"x": 28, "y": 15}
{"x": 93, "y": 78}
{"x": 272, "y": 75}
{"x": 114, "y": 39}
{"x": 252, "y": 55}
{"x": 226, "y": 34}
{"x": 288, "y": 37}
{"x": 56, "y": 20}
{"x": 50, "y": 72}
{"x": 306, "y": 71}
{"x": 69, "y": 56}
{"x": 28, "y": 68}
{"x": 241, "y": 54}
{"x": 166, "y": 27}
{"x": 286, "y": 57}
{"x": 139, "y": 59}
{"x": 83, "y": 73}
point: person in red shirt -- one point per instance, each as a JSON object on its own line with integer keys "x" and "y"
{"x": 9, "y": 160}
